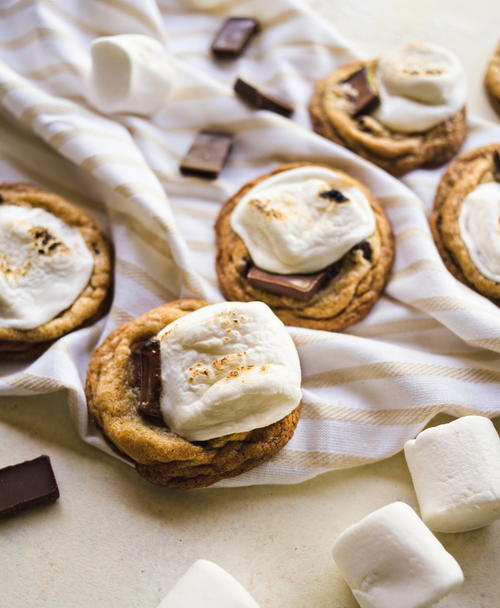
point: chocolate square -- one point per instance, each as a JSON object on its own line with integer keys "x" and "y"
{"x": 147, "y": 376}
{"x": 233, "y": 37}
{"x": 207, "y": 154}
{"x": 298, "y": 286}
{"x": 360, "y": 93}
{"x": 253, "y": 96}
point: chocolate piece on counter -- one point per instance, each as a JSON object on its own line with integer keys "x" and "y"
{"x": 298, "y": 286}
{"x": 257, "y": 99}
{"x": 233, "y": 37}
{"x": 360, "y": 93}
{"x": 207, "y": 154}
{"x": 334, "y": 195}
{"x": 496, "y": 165}
{"x": 26, "y": 485}
{"x": 147, "y": 376}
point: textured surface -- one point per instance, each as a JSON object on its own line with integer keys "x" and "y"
{"x": 461, "y": 177}
{"x": 396, "y": 153}
{"x": 345, "y": 299}
{"x": 492, "y": 80}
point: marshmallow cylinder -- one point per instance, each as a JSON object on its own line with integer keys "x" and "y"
{"x": 391, "y": 559}
{"x": 130, "y": 73}
{"x": 206, "y": 585}
{"x": 455, "y": 469}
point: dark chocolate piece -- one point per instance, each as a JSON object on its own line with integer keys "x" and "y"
{"x": 147, "y": 376}
{"x": 233, "y": 37}
{"x": 360, "y": 93}
{"x": 496, "y": 165}
{"x": 207, "y": 154}
{"x": 260, "y": 100}
{"x": 366, "y": 248}
{"x": 298, "y": 286}
{"x": 26, "y": 485}
{"x": 334, "y": 195}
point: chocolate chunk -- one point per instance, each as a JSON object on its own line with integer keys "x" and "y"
{"x": 207, "y": 154}
{"x": 147, "y": 376}
{"x": 2, "y": 200}
{"x": 234, "y": 36}
{"x": 359, "y": 92}
{"x": 366, "y": 248}
{"x": 334, "y": 195}
{"x": 496, "y": 165}
{"x": 260, "y": 100}
{"x": 298, "y": 286}
{"x": 26, "y": 485}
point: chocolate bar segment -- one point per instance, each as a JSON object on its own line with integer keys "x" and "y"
{"x": 147, "y": 376}
{"x": 27, "y": 485}
{"x": 207, "y": 154}
{"x": 233, "y": 37}
{"x": 360, "y": 93}
{"x": 257, "y": 99}
{"x": 298, "y": 286}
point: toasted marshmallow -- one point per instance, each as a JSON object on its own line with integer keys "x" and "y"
{"x": 44, "y": 266}
{"x": 479, "y": 224}
{"x": 130, "y": 73}
{"x": 289, "y": 224}
{"x": 227, "y": 368}
{"x": 420, "y": 85}
{"x": 455, "y": 469}
{"x": 206, "y": 585}
{"x": 391, "y": 559}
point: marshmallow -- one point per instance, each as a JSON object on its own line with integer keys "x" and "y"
{"x": 478, "y": 222}
{"x": 290, "y": 226}
{"x": 44, "y": 266}
{"x": 227, "y": 368}
{"x": 206, "y": 585}
{"x": 420, "y": 85}
{"x": 130, "y": 73}
{"x": 455, "y": 469}
{"x": 390, "y": 559}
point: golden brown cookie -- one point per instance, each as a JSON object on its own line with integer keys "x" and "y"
{"x": 158, "y": 454}
{"x": 397, "y": 153}
{"x": 347, "y": 296}
{"x": 492, "y": 80}
{"x": 461, "y": 177}
{"x": 91, "y": 304}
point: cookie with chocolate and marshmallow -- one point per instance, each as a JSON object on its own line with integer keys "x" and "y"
{"x": 465, "y": 220}
{"x": 193, "y": 393}
{"x": 492, "y": 81}
{"x": 308, "y": 240}
{"x": 55, "y": 270}
{"x": 401, "y": 111}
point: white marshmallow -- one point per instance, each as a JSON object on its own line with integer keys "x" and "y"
{"x": 206, "y": 585}
{"x": 390, "y": 559}
{"x": 289, "y": 228}
{"x": 420, "y": 85}
{"x": 455, "y": 469}
{"x": 479, "y": 224}
{"x": 130, "y": 73}
{"x": 39, "y": 278}
{"x": 227, "y": 368}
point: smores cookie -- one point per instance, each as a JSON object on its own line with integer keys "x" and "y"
{"x": 193, "y": 393}
{"x": 466, "y": 217}
{"x": 492, "y": 80}
{"x": 308, "y": 240}
{"x": 401, "y": 111}
{"x": 55, "y": 270}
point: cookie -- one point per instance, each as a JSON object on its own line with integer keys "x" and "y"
{"x": 158, "y": 454}
{"x": 376, "y": 115}
{"x": 56, "y": 270}
{"x": 492, "y": 81}
{"x": 352, "y": 283}
{"x": 465, "y": 218}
